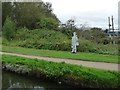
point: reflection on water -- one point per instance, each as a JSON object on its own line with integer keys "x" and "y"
{"x": 12, "y": 80}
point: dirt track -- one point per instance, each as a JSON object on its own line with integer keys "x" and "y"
{"x": 99, "y": 65}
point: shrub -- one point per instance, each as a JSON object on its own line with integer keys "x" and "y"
{"x": 9, "y": 29}
{"x": 42, "y": 39}
{"x": 55, "y": 40}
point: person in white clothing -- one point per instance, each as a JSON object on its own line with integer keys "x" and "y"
{"x": 74, "y": 42}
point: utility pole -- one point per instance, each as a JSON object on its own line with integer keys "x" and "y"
{"x": 109, "y": 23}
{"x": 112, "y": 24}
{"x": 111, "y": 28}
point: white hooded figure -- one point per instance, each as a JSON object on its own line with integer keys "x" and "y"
{"x": 74, "y": 42}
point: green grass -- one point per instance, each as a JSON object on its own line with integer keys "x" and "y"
{"x": 55, "y": 40}
{"x": 87, "y": 76}
{"x": 63, "y": 54}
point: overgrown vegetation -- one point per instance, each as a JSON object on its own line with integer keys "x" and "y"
{"x": 54, "y": 40}
{"x": 30, "y": 14}
{"x": 63, "y": 54}
{"x": 9, "y": 29}
{"x": 34, "y": 25}
{"x": 40, "y": 39}
{"x": 83, "y": 76}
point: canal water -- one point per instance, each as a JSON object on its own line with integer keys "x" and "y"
{"x": 12, "y": 80}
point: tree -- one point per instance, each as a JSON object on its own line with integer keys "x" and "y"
{"x": 98, "y": 34}
{"x": 28, "y": 14}
{"x": 70, "y": 24}
{"x": 49, "y": 23}
{"x": 68, "y": 28}
{"x": 48, "y": 6}
{"x": 84, "y": 26}
{"x": 6, "y": 10}
{"x": 9, "y": 29}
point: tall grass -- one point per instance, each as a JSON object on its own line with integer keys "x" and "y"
{"x": 84, "y": 76}
{"x": 55, "y": 40}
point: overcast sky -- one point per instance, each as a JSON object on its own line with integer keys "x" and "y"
{"x": 93, "y": 12}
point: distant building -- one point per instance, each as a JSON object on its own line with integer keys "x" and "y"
{"x": 119, "y": 15}
{"x": 116, "y": 33}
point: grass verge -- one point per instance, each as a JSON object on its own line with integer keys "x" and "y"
{"x": 78, "y": 75}
{"x": 63, "y": 54}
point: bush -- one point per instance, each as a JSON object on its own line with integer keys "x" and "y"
{"x": 55, "y": 40}
{"x": 5, "y": 41}
{"x": 9, "y": 29}
{"x": 42, "y": 39}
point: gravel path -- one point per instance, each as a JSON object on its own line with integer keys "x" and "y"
{"x": 99, "y": 65}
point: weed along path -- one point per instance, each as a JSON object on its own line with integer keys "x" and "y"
{"x": 99, "y": 65}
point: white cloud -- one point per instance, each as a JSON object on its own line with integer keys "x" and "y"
{"x": 94, "y": 12}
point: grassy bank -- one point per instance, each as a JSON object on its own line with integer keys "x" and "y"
{"x": 63, "y": 54}
{"x": 55, "y": 40}
{"x": 65, "y": 73}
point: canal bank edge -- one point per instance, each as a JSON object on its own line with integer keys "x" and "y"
{"x": 23, "y": 69}
{"x": 67, "y": 79}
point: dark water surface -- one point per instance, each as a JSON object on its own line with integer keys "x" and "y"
{"x": 12, "y": 80}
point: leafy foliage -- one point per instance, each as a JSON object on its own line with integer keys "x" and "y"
{"x": 84, "y": 76}
{"x": 6, "y": 11}
{"x": 48, "y": 23}
{"x": 9, "y": 29}
{"x": 37, "y": 27}
{"x": 28, "y": 14}
{"x": 55, "y": 40}
{"x": 42, "y": 39}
